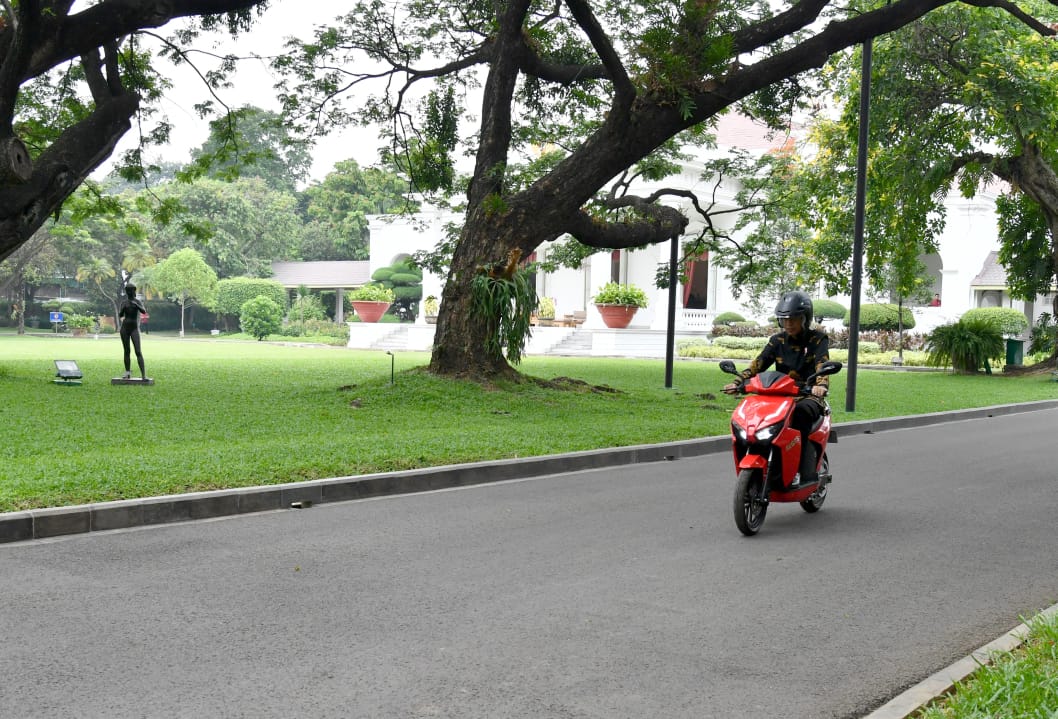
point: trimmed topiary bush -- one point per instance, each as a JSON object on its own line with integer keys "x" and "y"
{"x": 728, "y": 318}
{"x": 233, "y": 293}
{"x": 828, "y": 310}
{"x": 882, "y": 317}
{"x": 1011, "y": 322}
{"x": 260, "y": 317}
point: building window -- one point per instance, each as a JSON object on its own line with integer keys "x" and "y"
{"x": 696, "y": 291}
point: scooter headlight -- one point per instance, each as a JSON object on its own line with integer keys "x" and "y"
{"x": 739, "y": 432}
{"x": 767, "y": 434}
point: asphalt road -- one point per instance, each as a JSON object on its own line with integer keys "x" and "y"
{"x": 604, "y": 594}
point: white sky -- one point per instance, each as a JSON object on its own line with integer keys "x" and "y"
{"x": 252, "y": 85}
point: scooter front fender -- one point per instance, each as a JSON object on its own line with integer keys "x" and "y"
{"x": 753, "y": 461}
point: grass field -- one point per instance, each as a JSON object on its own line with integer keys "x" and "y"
{"x": 228, "y": 414}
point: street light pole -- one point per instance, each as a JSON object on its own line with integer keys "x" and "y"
{"x": 857, "y": 240}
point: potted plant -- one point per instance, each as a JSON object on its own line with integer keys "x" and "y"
{"x": 371, "y": 301}
{"x": 80, "y": 324}
{"x": 618, "y": 303}
{"x": 430, "y": 306}
{"x": 545, "y": 312}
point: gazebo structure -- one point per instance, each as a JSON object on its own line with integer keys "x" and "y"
{"x": 337, "y": 276}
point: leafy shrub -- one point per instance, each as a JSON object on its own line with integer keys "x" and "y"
{"x": 1042, "y": 337}
{"x": 828, "y": 309}
{"x": 727, "y": 318}
{"x": 307, "y": 307}
{"x": 745, "y": 343}
{"x": 80, "y": 322}
{"x": 405, "y": 280}
{"x": 966, "y": 345}
{"x": 1011, "y": 322}
{"x": 743, "y": 329}
{"x": 883, "y": 317}
{"x": 260, "y": 317}
{"x": 545, "y": 308}
{"x": 371, "y": 293}
{"x": 323, "y": 331}
{"x": 613, "y": 293}
{"x": 431, "y": 306}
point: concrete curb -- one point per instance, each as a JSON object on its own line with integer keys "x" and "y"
{"x": 58, "y": 521}
{"x": 918, "y": 696}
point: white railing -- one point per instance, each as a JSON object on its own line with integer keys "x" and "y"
{"x": 695, "y": 320}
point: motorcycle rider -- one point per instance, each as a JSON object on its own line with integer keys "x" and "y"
{"x": 797, "y": 351}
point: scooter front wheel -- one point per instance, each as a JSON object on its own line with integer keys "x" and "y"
{"x": 751, "y": 505}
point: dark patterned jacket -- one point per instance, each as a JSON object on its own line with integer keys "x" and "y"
{"x": 796, "y": 356}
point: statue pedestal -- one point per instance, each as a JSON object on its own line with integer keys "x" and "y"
{"x": 130, "y": 380}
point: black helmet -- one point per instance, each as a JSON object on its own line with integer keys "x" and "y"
{"x": 792, "y": 304}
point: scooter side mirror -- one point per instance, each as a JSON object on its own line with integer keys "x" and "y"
{"x": 728, "y": 366}
{"x": 829, "y": 367}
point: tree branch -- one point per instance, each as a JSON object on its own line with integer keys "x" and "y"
{"x": 79, "y": 34}
{"x": 654, "y": 224}
{"x": 624, "y": 91}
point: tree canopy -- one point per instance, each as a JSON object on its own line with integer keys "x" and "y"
{"x": 73, "y": 77}
{"x": 572, "y": 95}
{"x": 959, "y": 100}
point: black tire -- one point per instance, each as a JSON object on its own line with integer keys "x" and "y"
{"x": 814, "y": 503}
{"x": 750, "y": 504}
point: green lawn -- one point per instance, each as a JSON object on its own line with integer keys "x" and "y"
{"x": 229, "y": 414}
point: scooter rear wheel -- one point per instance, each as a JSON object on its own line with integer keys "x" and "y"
{"x": 815, "y": 500}
{"x": 750, "y": 503}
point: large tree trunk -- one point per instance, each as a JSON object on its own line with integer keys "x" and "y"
{"x": 461, "y": 347}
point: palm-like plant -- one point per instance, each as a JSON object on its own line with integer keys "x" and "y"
{"x": 966, "y": 345}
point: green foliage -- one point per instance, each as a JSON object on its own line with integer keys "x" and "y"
{"x": 260, "y": 317}
{"x": 613, "y": 293}
{"x": 741, "y": 343}
{"x": 431, "y": 306}
{"x": 828, "y": 309}
{"x": 306, "y": 307}
{"x": 507, "y": 306}
{"x": 234, "y": 292}
{"x": 966, "y": 345}
{"x": 83, "y": 322}
{"x": 371, "y": 293}
{"x": 186, "y": 277}
{"x": 251, "y": 142}
{"x": 338, "y": 209}
{"x": 1042, "y": 337}
{"x": 1011, "y": 322}
{"x": 546, "y": 308}
{"x": 727, "y": 318}
{"x": 883, "y": 317}
{"x": 248, "y": 225}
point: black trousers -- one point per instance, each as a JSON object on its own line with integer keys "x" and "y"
{"x": 805, "y": 414}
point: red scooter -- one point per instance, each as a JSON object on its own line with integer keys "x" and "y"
{"x": 768, "y": 450}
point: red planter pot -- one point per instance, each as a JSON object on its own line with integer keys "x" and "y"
{"x": 370, "y": 311}
{"x": 617, "y": 316}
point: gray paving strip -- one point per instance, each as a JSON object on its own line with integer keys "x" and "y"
{"x": 57, "y": 521}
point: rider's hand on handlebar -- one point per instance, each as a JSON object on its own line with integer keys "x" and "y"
{"x": 819, "y": 390}
{"x": 732, "y": 388}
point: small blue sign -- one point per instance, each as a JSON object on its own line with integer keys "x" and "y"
{"x": 55, "y": 317}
